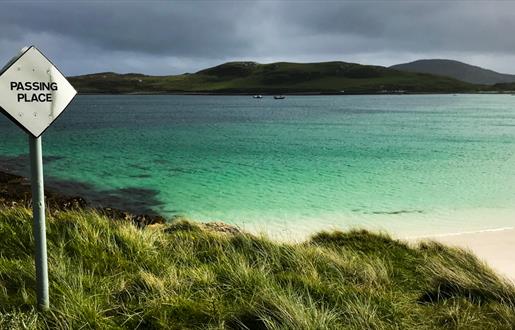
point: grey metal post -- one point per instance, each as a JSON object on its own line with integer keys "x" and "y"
{"x": 38, "y": 209}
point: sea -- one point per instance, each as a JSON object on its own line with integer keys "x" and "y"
{"x": 410, "y": 165}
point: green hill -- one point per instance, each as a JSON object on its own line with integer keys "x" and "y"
{"x": 108, "y": 274}
{"x": 254, "y": 78}
{"x": 457, "y": 70}
{"x": 504, "y": 87}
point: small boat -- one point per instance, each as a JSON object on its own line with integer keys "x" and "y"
{"x": 257, "y": 96}
{"x": 279, "y": 97}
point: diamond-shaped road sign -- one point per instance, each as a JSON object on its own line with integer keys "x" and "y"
{"x": 33, "y": 93}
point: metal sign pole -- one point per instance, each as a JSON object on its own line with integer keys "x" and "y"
{"x": 38, "y": 210}
{"x": 33, "y": 93}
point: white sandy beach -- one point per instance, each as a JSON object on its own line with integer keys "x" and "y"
{"x": 496, "y": 247}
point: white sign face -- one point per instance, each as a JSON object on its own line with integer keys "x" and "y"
{"x": 33, "y": 93}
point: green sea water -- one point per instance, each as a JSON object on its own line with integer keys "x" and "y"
{"x": 410, "y": 164}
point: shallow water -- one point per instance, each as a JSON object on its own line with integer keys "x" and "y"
{"x": 413, "y": 165}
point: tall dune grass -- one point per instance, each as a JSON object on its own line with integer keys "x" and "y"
{"x": 111, "y": 275}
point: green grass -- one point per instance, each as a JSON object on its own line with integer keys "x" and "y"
{"x": 250, "y": 77}
{"x": 110, "y": 275}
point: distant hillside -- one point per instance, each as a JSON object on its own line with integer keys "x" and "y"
{"x": 251, "y": 77}
{"x": 510, "y": 87}
{"x": 457, "y": 70}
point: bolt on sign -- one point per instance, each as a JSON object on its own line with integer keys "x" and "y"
{"x": 33, "y": 93}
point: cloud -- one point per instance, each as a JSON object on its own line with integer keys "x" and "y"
{"x": 177, "y": 36}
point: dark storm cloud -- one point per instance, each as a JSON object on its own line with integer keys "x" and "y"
{"x": 415, "y": 26}
{"x": 153, "y": 28}
{"x": 174, "y": 37}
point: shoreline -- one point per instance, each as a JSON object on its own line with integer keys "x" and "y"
{"x": 453, "y": 234}
{"x": 110, "y": 93}
{"x": 491, "y": 245}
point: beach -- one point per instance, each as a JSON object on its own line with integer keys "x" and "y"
{"x": 495, "y": 247}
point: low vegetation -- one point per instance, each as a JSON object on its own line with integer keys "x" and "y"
{"x": 108, "y": 274}
{"x": 283, "y": 77}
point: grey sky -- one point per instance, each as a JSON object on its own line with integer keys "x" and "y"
{"x": 170, "y": 37}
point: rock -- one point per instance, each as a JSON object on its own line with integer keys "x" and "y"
{"x": 222, "y": 228}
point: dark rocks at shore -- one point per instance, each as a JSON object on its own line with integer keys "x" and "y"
{"x": 15, "y": 190}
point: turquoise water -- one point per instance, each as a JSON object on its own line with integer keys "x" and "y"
{"x": 413, "y": 165}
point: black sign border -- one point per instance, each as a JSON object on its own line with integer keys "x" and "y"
{"x": 2, "y": 110}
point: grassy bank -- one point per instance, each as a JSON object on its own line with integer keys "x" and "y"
{"x": 108, "y": 274}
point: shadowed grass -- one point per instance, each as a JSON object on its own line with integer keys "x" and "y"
{"x": 111, "y": 275}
